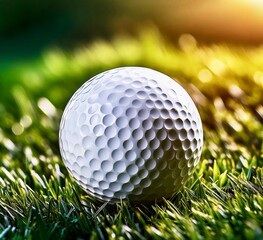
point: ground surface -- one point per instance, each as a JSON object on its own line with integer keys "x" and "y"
{"x": 224, "y": 197}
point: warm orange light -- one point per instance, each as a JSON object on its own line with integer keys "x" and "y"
{"x": 258, "y": 2}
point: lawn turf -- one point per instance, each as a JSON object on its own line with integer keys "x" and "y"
{"x": 222, "y": 200}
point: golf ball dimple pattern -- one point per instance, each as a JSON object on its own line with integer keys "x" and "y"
{"x": 131, "y": 133}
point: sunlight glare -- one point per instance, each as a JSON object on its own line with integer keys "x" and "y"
{"x": 257, "y": 2}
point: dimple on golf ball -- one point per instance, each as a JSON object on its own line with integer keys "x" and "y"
{"x": 131, "y": 133}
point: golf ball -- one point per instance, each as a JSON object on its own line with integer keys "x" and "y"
{"x": 131, "y": 133}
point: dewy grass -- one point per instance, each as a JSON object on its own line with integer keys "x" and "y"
{"x": 222, "y": 200}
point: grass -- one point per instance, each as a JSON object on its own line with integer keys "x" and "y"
{"x": 222, "y": 200}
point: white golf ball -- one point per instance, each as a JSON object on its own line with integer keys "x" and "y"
{"x": 131, "y": 133}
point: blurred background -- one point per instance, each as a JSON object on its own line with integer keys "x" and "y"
{"x": 65, "y": 41}
{"x": 27, "y": 28}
